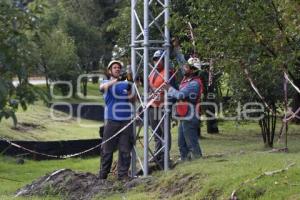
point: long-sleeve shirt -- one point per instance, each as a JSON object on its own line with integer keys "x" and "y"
{"x": 189, "y": 92}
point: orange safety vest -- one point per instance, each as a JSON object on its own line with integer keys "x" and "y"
{"x": 182, "y": 107}
{"x": 155, "y": 81}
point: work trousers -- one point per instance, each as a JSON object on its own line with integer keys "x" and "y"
{"x": 188, "y": 139}
{"x": 123, "y": 142}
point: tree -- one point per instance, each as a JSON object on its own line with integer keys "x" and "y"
{"x": 73, "y": 24}
{"x": 254, "y": 33}
{"x": 60, "y": 63}
{"x": 17, "y": 56}
{"x": 62, "y": 39}
{"x": 86, "y": 23}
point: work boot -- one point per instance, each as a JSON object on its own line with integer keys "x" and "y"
{"x": 102, "y": 176}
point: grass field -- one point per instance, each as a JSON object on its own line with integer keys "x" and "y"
{"x": 212, "y": 178}
{"x": 37, "y": 124}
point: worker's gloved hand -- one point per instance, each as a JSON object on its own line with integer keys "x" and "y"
{"x": 122, "y": 76}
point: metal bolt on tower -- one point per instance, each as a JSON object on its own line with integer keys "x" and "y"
{"x": 149, "y": 32}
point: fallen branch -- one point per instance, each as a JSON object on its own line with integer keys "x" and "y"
{"x": 270, "y": 173}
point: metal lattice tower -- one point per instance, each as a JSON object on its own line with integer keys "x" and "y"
{"x": 149, "y": 32}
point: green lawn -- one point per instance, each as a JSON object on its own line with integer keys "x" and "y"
{"x": 41, "y": 123}
{"x": 211, "y": 178}
{"x": 37, "y": 124}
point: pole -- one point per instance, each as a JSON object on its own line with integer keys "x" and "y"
{"x": 146, "y": 61}
{"x": 166, "y": 105}
{"x": 134, "y": 74}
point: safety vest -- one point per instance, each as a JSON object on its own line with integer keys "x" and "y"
{"x": 182, "y": 107}
{"x": 155, "y": 81}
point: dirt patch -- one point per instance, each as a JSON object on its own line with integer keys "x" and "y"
{"x": 76, "y": 186}
{"x": 180, "y": 184}
{"x": 25, "y": 126}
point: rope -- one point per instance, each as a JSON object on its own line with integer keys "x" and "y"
{"x": 85, "y": 151}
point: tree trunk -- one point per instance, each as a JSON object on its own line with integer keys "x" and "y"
{"x": 84, "y": 85}
{"x": 74, "y": 86}
{"x": 268, "y": 127}
{"x": 47, "y": 81}
{"x": 212, "y": 125}
{"x": 46, "y": 73}
{"x": 263, "y": 131}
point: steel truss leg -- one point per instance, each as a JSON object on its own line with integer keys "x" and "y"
{"x": 142, "y": 45}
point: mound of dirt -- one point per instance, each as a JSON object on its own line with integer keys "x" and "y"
{"x": 76, "y": 186}
{"x": 179, "y": 186}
